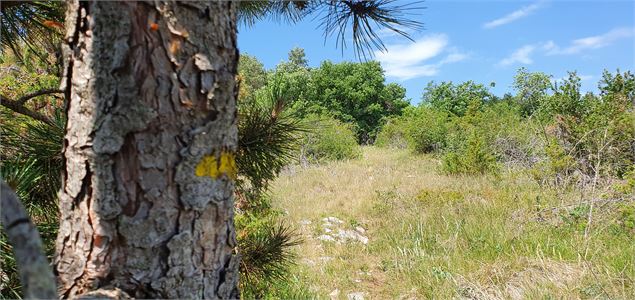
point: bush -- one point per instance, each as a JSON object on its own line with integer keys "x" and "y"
{"x": 428, "y": 130}
{"x": 328, "y": 140}
{"x": 470, "y": 157}
{"x": 422, "y": 129}
{"x": 597, "y": 132}
{"x": 394, "y": 134}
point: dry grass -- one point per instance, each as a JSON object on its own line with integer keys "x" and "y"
{"x": 438, "y": 236}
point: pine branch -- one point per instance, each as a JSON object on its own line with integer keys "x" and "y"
{"x": 361, "y": 18}
{"x": 28, "y": 97}
{"x": 18, "y": 105}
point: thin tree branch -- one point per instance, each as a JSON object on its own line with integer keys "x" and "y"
{"x": 26, "y": 98}
{"x": 16, "y": 106}
{"x": 36, "y": 274}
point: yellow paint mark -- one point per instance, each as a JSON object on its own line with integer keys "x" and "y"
{"x": 228, "y": 164}
{"x": 210, "y": 166}
{"x": 207, "y": 167}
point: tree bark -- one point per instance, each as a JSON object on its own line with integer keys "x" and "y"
{"x": 147, "y": 194}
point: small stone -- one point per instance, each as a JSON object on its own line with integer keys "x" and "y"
{"x": 357, "y": 280}
{"x": 350, "y": 235}
{"x": 356, "y": 296}
{"x": 333, "y": 220}
{"x": 326, "y": 237}
{"x": 334, "y": 294}
{"x": 305, "y": 222}
{"x": 360, "y": 229}
{"x": 325, "y": 258}
{"x": 328, "y": 230}
{"x": 309, "y": 262}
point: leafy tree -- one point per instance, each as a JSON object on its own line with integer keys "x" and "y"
{"x": 292, "y": 77}
{"x": 355, "y": 92}
{"x": 298, "y": 58}
{"x": 455, "y": 99}
{"x": 531, "y": 89}
{"x": 618, "y": 85}
{"x": 252, "y": 76}
{"x": 566, "y": 100}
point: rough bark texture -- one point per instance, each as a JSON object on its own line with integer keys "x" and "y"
{"x": 147, "y": 193}
{"x": 36, "y": 274}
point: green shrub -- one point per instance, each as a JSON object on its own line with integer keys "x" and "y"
{"x": 328, "y": 139}
{"x": 394, "y": 134}
{"x": 428, "y": 130}
{"x": 422, "y": 129}
{"x": 470, "y": 157}
{"x": 597, "y": 132}
{"x": 626, "y": 216}
{"x": 577, "y": 217}
{"x": 556, "y": 168}
{"x": 455, "y": 99}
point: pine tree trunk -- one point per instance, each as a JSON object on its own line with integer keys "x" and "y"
{"x": 147, "y": 194}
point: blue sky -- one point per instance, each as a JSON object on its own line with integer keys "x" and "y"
{"x": 476, "y": 40}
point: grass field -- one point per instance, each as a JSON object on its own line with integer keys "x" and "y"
{"x": 432, "y": 235}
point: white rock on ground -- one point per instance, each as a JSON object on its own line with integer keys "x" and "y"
{"x": 308, "y": 262}
{"x": 333, "y": 220}
{"x": 326, "y": 237}
{"x": 356, "y": 296}
{"x": 360, "y": 229}
{"x": 351, "y": 235}
{"x": 334, "y": 294}
{"x": 305, "y": 222}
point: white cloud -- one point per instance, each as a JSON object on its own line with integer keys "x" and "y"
{"x": 406, "y": 61}
{"x": 521, "y": 55}
{"x": 513, "y": 16}
{"x": 422, "y": 49}
{"x": 412, "y": 72}
{"x": 592, "y": 42}
{"x": 549, "y": 46}
{"x": 454, "y": 56}
{"x": 585, "y": 77}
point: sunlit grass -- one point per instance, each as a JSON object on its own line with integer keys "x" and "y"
{"x": 440, "y": 236}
